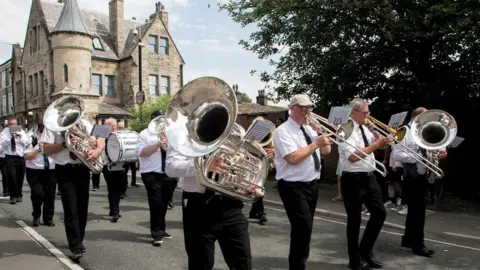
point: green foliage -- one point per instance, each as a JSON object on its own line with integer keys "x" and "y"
{"x": 141, "y": 115}
{"x": 339, "y": 49}
{"x": 242, "y": 97}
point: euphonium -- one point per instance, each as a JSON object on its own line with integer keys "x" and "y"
{"x": 201, "y": 124}
{"x": 65, "y": 114}
{"x": 157, "y": 126}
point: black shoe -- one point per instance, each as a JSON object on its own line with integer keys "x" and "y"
{"x": 252, "y": 215}
{"x": 49, "y": 224}
{"x": 115, "y": 218}
{"x": 123, "y": 196}
{"x": 13, "y": 200}
{"x": 77, "y": 254}
{"x": 170, "y": 205}
{"x": 19, "y": 199}
{"x": 6, "y": 194}
{"x": 361, "y": 265}
{"x": 158, "y": 241}
{"x": 36, "y": 222}
{"x": 167, "y": 236}
{"x": 424, "y": 252}
{"x": 135, "y": 185}
{"x": 82, "y": 248}
{"x": 263, "y": 219}
{"x": 370, "y": 260}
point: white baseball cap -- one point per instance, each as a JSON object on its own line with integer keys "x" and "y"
{"x": 301, "y": 100}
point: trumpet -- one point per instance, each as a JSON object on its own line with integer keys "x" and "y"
{"x": 340, "y": 134}
{"x": 431, "y": 130}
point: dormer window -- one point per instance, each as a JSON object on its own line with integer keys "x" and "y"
{"x": 97, "y": 44}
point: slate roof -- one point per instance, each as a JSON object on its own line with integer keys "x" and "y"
{"x": 98, "y": 26}
{"x": 112, "y": 109}
{"x": 71, "y": 20}
{"x": 256, "y": 109}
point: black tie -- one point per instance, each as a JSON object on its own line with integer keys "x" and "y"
{"x": 314, "y": 154}
{"x": 12, "y": 144}
{"x": 46, "y": 165}
{"x": 72, "y": 156}
{"x": 164, "y": 156}
{"x": 364, "y": 137}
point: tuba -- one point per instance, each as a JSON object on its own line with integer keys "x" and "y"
{"x": 433, "y": 130}
{"x": 157, "y": 126}
{"x": 65, "y": 114}
{"x": 200, "y": 122}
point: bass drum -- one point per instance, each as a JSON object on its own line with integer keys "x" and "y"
{"x": 122, "y": 146}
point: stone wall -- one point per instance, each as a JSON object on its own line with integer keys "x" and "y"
{"x": 109, "y": 68}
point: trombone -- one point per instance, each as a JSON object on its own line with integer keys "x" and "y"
{"x": 341, "y": 133}
{"x": 431, "y": 130}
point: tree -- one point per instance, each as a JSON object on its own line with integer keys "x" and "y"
{"x": 141, "y": 115}
{"x": 401, "y": 52}
{"x": 242, "y": 97}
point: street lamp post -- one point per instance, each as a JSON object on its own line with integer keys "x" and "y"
{"x": 140, "y": 96}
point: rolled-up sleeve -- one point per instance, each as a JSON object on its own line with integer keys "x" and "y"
{"x": 284, "y": 143}
{"x": 346, "y": 149}
{"x": 178, "y": 166}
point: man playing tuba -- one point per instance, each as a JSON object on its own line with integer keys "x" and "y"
{"x": 73, "y": 179}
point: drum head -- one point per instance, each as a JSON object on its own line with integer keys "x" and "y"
{"x": 113, "y": 147}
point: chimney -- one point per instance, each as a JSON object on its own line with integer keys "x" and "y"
{"x": 261, "y": 98}
{"x": 60, "y": 1}
{"x": 161, "y": 13}
{"x": 117, "y": 28}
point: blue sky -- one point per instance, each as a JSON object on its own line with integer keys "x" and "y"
{"x": 207, "y": 39}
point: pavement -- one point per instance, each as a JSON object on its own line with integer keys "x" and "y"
{"x": 127, "y": 245}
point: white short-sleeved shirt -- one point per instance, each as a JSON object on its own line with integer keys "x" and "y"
{"x": 152, "y": 163}
{"x": 345, "y": 150}
{"x": 21, "y": 143}
{"x": 183, "y": 168}
{"x": 38, "y": 163}
{"x": 288, "y": 138}
{"x": 62, "y": 157}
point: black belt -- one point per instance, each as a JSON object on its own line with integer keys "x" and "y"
{"x": 70, "y": 165}
{"x": 13, "y": 156}
{"x": 309, "y": 183}
{"x": 359, "y": 173}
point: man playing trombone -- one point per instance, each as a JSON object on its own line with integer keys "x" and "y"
{"x": 415, "y": 186}
{"x": 297, "y": 160}
{"x": 358, "y": 185}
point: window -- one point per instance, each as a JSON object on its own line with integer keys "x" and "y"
{"x": 164, "y": 45}
{"x": 153, "y": 84}
{"x": 65, "y": 72}
{"x": 10, "y": 103}
{"x": 153, "y": 43}
{"x": 97, "y": 44}
{"x": 165, "y": 86}
{"x": 4, "y": 79}
{"x": 4, "y": 105}
{"x": 35, "y": 90}
{"x": 41, "y": 84}
{"x": 30, "y": 82}
{"x": 35, "y": 45}
{"x": 97, "y": 84}
{"x": 110, "y": 85}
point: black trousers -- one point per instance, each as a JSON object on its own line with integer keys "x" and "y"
{"x": 257, "y": 207}
{"x": 115, "y": 188}
{"x": 15, "y": 174}
{"x": 358, "y": 188}
{"x": 130, "y": 166}
{"x": 74, "y": 182}
{"x": 3, "y": 169}
{"x": 95, "y": 180}
{"x": 208, "y": 218}
{"x": 415, "y": 188}
{"x": 160, "y": 190}
{"x": 300, "y": 201}
{"x": 43, "y": 185}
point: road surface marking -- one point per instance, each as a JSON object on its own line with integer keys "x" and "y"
{"x": 48, "y": 246}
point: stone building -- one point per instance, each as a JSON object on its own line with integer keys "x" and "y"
{"x": 6, "y": 97}
{"x": 247, "y": 112}
{"x": 71, "y": 51}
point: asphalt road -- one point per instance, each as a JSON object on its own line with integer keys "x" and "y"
{"x": 126, "y": 244}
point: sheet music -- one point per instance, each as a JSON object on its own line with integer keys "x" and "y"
{"x": 100, "y": 131}
{"x": 258, "y": 130}
{"x": 397, "y": 120}
{"x": 15, "y": 129}
{"x": 456, "y": 142}
{"x": 339, "y": 115}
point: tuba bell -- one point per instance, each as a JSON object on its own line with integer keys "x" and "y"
{"x": 157, "y": 126}
{"x": 65, "y": 114}
{"x": 201, "y": 121}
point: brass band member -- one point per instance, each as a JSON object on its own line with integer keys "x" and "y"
{"x": 359, "y": 186}
{"x": 159, "y": 186}
{"x": 415, "y": 188}
{"x": 297, "y": 160}
{"x": 208, "y": 217}
{"x": 133, "y": 166}
{"x": 258, "y": 210}
{"x": 112, "y": 177}
{"x": 3, "y": 167}
{"x": 41, "y": 179}
{"x": 13, "y": 145}
{"x": 73, "y": 179}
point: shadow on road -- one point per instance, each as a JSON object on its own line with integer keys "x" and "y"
{"x": 116, "y": 235}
